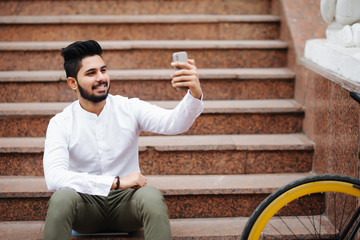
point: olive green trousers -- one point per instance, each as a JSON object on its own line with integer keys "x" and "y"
{"x": 121, "y": 211}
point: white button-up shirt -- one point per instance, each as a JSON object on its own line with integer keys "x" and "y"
{"x": 85, "y": 152}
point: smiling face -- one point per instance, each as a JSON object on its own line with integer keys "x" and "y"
{"x": 93, "y": 80}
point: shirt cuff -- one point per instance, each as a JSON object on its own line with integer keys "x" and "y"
{"x": 201, "y": 97}
{"x": 102, "y": 185}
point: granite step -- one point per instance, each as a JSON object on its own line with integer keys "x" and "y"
{"x": 131, "y": 7}
{"x": 139, "y": 27}
{"x": 150, "y": 54}
{"x": 25, "y": 198}
{"x": 187, "y": 154}
{"x": 195, "y": 228}
{"x": 152, "y": 84}
{"x": 218, "y": 117}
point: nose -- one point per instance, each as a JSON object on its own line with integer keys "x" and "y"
{"x": 100, "y": 76}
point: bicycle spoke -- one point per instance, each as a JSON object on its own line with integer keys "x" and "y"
{"x": 276, "y": 230}
{"x": 342, "y": 217}
{"x": 304, "y": 224}
{"x": 288, "y": 227}
{"x": 350, "y": 223}
{"x": 335, "y": 222}
{"x": 307, "y": 215}
{"x": 320, "y": 226}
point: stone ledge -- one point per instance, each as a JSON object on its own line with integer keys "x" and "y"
{"x": 245, "y": 142}
{"x": 151, "y": 44}
{"x": 339, "y": 64}
{"x": 31, "y": 109}
{"x": 13, "y": 187}
{"x": 124, "y": 19}
{"x": 196, "y": 228}
{"x": 154, "y": 74}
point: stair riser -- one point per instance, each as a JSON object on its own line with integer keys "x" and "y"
{"x": 224, "y": 162}
{"x": 149, "y": 31}
{"x": 150, "y": 59}
{"x": 130, "y": 7}
{"x": 218, "y": 89}
{"x": 180, "y": 206}
{"x": 184, "y": 162}
{"x": 21, "y": 164}
{"x": 249, "y": 123}
{"x": 230, "y": 123}
{"x": 24, "y": 126}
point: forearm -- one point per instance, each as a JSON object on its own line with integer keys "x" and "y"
{"x": 133, "y": 180}
{"x": 57, "y": 178}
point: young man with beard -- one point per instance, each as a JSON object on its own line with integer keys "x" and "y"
{"x": 91, "y": 151}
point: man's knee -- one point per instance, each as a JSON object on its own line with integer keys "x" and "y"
{"x": 151, "y": 200}
{"x": 154, "y": 213}
{"x": 60, "y": 214}
{"x": 63, "y": 202}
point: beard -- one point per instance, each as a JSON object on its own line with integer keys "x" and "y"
{"x": 91, "y": 97}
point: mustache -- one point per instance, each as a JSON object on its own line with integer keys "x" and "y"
{"x": 100, "y": 83}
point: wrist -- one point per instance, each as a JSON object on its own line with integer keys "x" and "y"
{"x": 116, "y": 183}
{"x": 197, "y": 95}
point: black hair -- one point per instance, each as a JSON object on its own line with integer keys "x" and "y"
{"x": 76, "y": 52}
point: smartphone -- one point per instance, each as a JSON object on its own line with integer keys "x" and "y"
{"x": 180, "y": 57}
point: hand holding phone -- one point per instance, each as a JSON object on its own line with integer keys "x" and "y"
{"x": 187, "y": 77}
{"x": 180, "y": 57}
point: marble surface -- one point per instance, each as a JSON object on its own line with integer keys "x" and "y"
{"x": 153, "y": 84}
{"x": 331, "y": 116}
{"x": 207, "y": 154}
{"x": 172, "y": 29}
{"x": 332, "y": 122}
{"x": 215, "y": 89}
{"x": 25, "y": 198}
{"x": 149, "y": 55}
{"x": 210, "y": 123}
{"x": 126, "y": 7}
{"x": 341, "y": 61}
{"x": 202, "y": 229}
{"x": 304, "y": 21}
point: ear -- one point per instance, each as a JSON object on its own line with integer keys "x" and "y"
{"x": 72, "y": 83}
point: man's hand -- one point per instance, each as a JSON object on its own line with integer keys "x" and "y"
{"x": 187, "y": 77}
{"x": 133, "y": 180}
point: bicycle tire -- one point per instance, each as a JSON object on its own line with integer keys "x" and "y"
{"x": 317, "y": 184}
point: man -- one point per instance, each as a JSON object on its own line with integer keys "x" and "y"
{"x": 91, "y": 151}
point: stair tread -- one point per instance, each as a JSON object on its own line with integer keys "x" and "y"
{"x": 181, "y": 228}
{"x": 46, "y": 7}
{"x": 31, "y": 186}
{"x": 153, "y": 74}
{"x": 243, "y": 142}
{"x": 260, "y": 142}
{"x": 179, "y": 18}
{"x": 211, "y": 106}
{"x": 150, "y": 44}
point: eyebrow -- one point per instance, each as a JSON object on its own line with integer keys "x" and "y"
{"x": 92, "y": 69}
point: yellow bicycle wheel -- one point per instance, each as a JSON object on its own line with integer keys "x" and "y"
{"x": 298, "y": 210}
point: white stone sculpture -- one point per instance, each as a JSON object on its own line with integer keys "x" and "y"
{"x": 343, "y": 17}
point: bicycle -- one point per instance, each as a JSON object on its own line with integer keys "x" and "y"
{"x": 295, "y": 211}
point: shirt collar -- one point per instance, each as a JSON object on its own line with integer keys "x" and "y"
{"x": 90, "y": 115}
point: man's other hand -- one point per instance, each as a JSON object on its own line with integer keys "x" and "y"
{"x": 133, "y": 180}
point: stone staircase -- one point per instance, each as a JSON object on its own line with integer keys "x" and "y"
{"x": 247, "y": 143}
